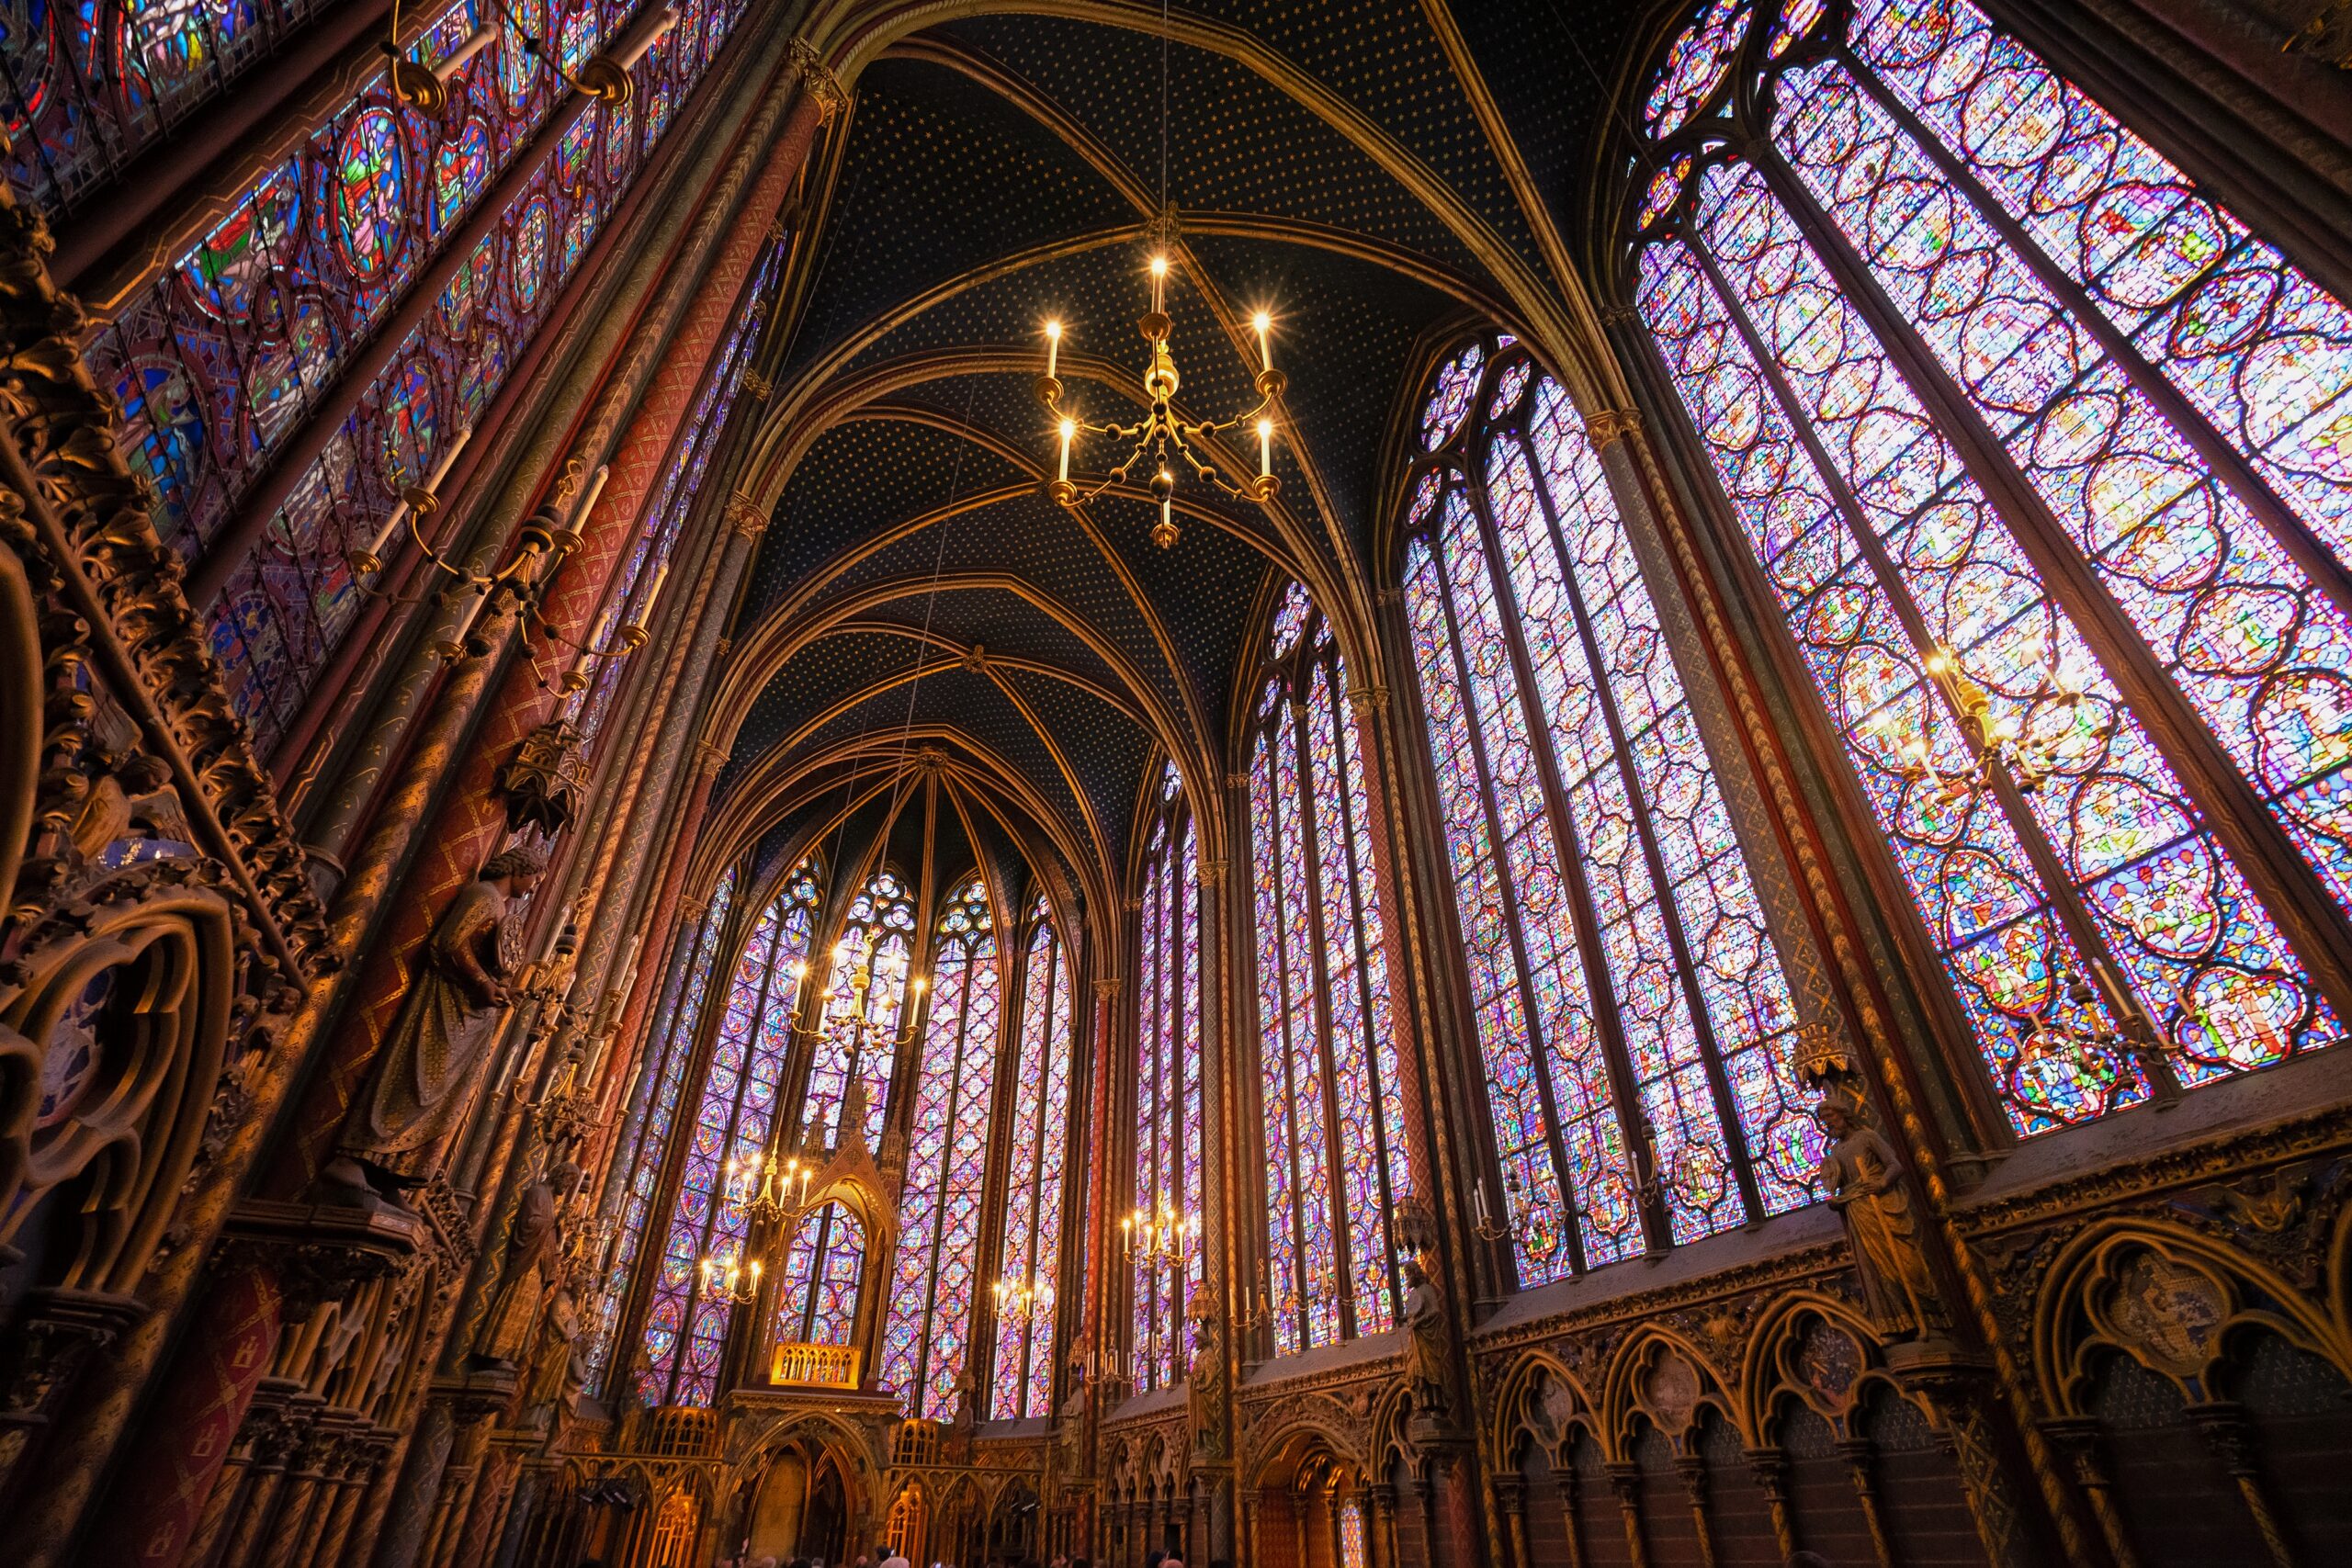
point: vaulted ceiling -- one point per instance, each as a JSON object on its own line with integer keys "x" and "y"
{"x": 1377, "y": 174}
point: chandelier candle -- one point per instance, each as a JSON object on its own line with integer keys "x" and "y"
{"x": 1161, "y": 435}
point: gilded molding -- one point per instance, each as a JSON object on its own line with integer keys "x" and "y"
{"x": 1610, "y": 425}
{"x": 823, "y": 85}
{"x": 745, "y": 516}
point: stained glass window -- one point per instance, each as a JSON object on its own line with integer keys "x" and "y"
{"x": 685, "y": 1332}
{"x": 1169, "y": 1126}
{"x": 1326, "y": 1062}
{"x": 665, "y": 520}
{"x": 2030, "y": 434}
{"x": 670, "y": 1043}
{"x": 864, "y": 995}
{"x": 927, "y": 1337}
{"x": 1632, "y": 1012}
{"x": 246, "y": 336}
{"x": 817, "y": 1288}
{"x": 1036, "y": 1154}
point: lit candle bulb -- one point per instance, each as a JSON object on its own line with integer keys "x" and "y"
{"x": 653, "y": 593}
{"x": 1069, "y": 431}
{"x": 1263, "y": 323}
{"x": 1265, "y": 447}
{"x": 1159, "y": 283}
{"x": 1053, "y": 348}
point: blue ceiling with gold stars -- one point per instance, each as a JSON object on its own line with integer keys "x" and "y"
{"x": 1377, "y": 173}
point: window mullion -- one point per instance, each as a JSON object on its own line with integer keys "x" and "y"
{"x": 2231, "y": 811}
{"x": 1328, "y": 1045}
{"x": 1358, "y": 896}
{"x": 1507, "y": 886}
{"x": 1658, "y": 1222}
{"x": 2048, "y": 867}
{"x": 1644, "y": 834}
{"x": 1294, "y": 1219}
{"x": 2319, "y": 562}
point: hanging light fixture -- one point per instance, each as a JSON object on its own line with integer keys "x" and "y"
{"x": 1158, "y": 443}
{"x": 1160, "y": 440}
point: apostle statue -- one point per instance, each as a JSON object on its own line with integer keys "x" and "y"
{"x": 561, "y": 1373}
{"x": 1426, "y": 1376}
{"x": 1864, "y": 1183}
{"x": 534, "y": 1256}
{"x": 1204, "y": 1380}
{"x": 432, "y": 1061}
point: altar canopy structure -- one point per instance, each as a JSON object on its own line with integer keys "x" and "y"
{"x": 1316, "y": 783}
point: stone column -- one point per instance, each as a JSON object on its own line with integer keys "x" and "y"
{"x": 1380, "y": 1524}
{"x": 1511, "y": 1500}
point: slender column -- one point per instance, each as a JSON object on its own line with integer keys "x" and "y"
{"x": 1510, "y": 1501}
{"x": 1625, "y": 1481}
{"x": 1693, "y": 1469}
{"x": 1564, "y": 1482}
{"x": 1856, "y": 1452}
{"x": 470, "y": 819}
{"x": 2075, "y": 1439}
{"x": 1770, "y": 1468}
{"x": 1380, "y": 1524}
{"x": 2222, "y": 1423}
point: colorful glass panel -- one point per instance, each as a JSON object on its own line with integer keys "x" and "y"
{"x": 1583, "y": 823}
{"x": 655, "y": 1104}
{"x": 863, "y": 998}
{"x": 1025, "y": 1287}
{"x": 685, "y": 1331}
{"x": 1170, "y": 1129}
{"x": 817, "y": 1289}
{"x": 928, "y": 1330}
{"x": 252, "y": 325}
{"x": 1974, "y": 363}
{"x": 1332, "y": 1115}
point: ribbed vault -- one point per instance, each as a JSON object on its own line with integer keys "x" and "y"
{"x": 918, "y": 600}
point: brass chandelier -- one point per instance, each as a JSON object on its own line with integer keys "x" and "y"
{"x": 1161, "y": 439}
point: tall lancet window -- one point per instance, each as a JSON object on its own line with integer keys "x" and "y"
{"x": 870, "y": 973}
{"x": 685, "y": 1332}
{"x": 2020, "y": 422}
{"x": 817, "y": 1291}
{"x": 1630, "y": 1007}
{"x": 1327, "y": 1059}
{"x": 1168, "y": 1127}
{"x": 1031, "y": 1266}
{"x": 927, "y": 1337}
{"x": 673, "y": 1042}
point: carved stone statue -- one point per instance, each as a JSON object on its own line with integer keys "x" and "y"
{"x": 431, "y": 1064}
{"x": 1426, "y": 1378}
{"x": 1205, "y": 1378}
{"x": 561, "y": 1373}
{"x": 534, "y": 1250}
{"x": 1865, "y": 1181}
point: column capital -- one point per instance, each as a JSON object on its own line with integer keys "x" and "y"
{"x": 710, "y": 754}
{"x": 1107, "y": 988}
{"x": 1213, "y": 873}
{"x": 1367, "y": 700}
{"x": 757, "y": 387}
{"x": 820, "y": 80}
{"x": 1610, "y": 424}
{"x": 744, "y": 515}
